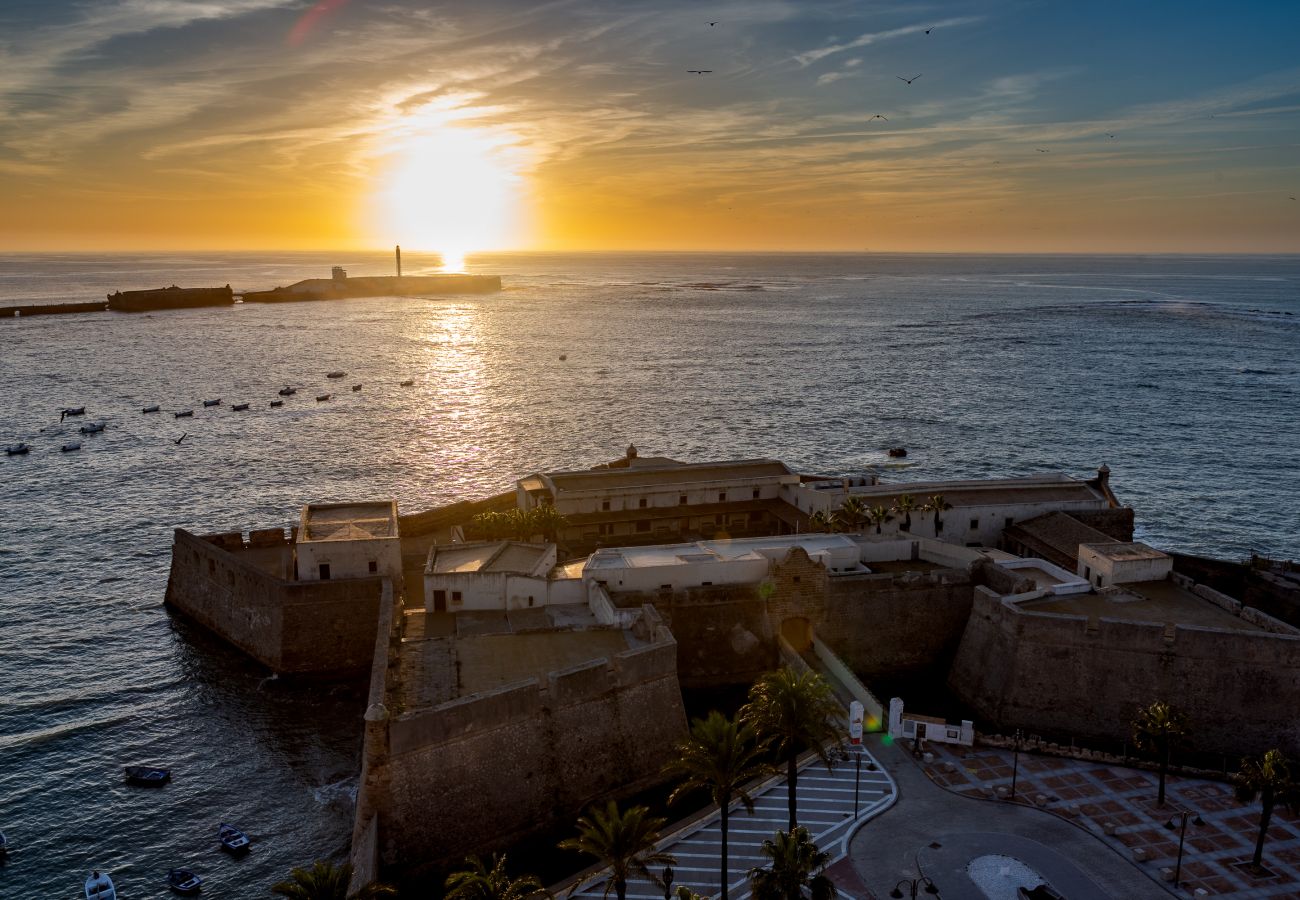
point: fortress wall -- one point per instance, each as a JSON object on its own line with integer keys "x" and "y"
{"x": 1062, "y": 674}
{"x": 1116, "y": 523}
{"x": 296, "y": 627}
{"x": 479, "y": 773}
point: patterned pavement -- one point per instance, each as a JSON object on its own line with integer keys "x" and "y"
{"x": 825, "y": 807}
{"x": 1105, "y": 798}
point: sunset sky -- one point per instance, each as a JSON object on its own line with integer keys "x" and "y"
{"x": 257, "y": 124}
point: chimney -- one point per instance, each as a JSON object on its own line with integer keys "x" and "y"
{"x": 398, "y": 250}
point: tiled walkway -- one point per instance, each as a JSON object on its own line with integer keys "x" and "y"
{"x": 1105, "y": 798}
{"x": 825, "y": 807}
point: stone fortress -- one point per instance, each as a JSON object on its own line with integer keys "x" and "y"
{"x": 513, "y": 683}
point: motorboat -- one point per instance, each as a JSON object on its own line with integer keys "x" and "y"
{"x": 410, "y": 382}
{"x": 897, "y": 452}
{"x": 100, "y": 887}
{"x": 321, "y": 398}
{"x": 74, "y": 410}
{"x": 335, "y": 374}
{"x": 154, "y": 408}
{"x": 185, "y": 414}
{"x": 92, "y": 428}
{"x": 216, "y": 402}
{"x": 232, "y": 839}
{"x": 184, "y": 882}
{"x": 239, "y": 407}
{"x": 147, "y": 776}
{"x": 277, "y": 403}
{"x": 356, "y": 387}
{"x": 287, "y": 391}
{"x": 70, "y": 446}
{"x": 18, "y": 449}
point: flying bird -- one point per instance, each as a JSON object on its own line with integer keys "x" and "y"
{"x": 181, "y": 438}
{"x": 711, "y": 24}
{"x": 1109, "y": 135}
{"x": 1041, "y": 150}
{"x": 699, "y": 71}
{"x": 1293, "y": 198}
{"x": 878, "y": 116}
{"x": 928, "y": 30}
{"x": 909, "y": 80}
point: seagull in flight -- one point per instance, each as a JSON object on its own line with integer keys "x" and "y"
{"x": 878, "y": 116}
{"x": 698, "y": 71}
{"x": 1041, "y": 150}
{"x": 181, "y": 438}
{"x": 1109, "y": 135}
{"x": 909, "y": 80}
{"x": 711, "y": 24}
{"x": 928, "y": 30}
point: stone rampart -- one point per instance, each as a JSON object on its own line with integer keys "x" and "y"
{"x": 481, "y": 772}
{"x": 1069, "y": 675}
{"x": 1116, "y": 522}
{"x": 289, "y": 626}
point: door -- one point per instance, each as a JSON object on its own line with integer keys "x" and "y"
{"x": 439, "y": 601}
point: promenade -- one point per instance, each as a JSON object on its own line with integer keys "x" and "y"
{"x": 826, "y": 809}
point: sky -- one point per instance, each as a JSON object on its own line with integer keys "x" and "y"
{"x": 285, "y": 124}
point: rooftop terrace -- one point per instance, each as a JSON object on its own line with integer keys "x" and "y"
{"x": 1144, "y": 601}
{"x": 348, "y": 521}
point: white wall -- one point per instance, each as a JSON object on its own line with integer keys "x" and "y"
{"x": 901, "y": 727}
{"x": 679, "y": 576}
{"x": 350, "y": 559}
{"x": 1103, "y": 571}
{"x": 661, "y": 497}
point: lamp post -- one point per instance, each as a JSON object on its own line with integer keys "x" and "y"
{"x": 1015, "y": 764}
{"x": 668, "y": 882}
{"x": 918, "y": 884}
{"x": 1182, "y": 835}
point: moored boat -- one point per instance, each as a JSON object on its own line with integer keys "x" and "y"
{"x": 335, "y": 374}
{"x": 154, "y": 408}
{"x": 216, "y": 402}
{"x": 74, "y": 410}
{"x": 356, "y": 387}
{"x": 897, "y": 452}
{"x": 184, "y": 882}
{"x": 70, "y": 446}
{"x": 232, "y": 839}
{"x": 277, "y": 403}
{"x": 92, "y": 428}
{"x": 147, "y": 776}
{"x": 18, "y": 449}
{"x": 287, "y": 391}
{"x": 100, "y": 887}
{"x": 239, "y": 407}
{"x": 410, "y": 382}
{"x": 321, "y": 398}
{"x": 185, "y": 414}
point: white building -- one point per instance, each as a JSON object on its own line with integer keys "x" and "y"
{"x": 489, "y": 575}
{"x": 348, "y": 540}
{"x": 1116, "y": 563}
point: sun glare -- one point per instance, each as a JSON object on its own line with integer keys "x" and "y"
{"x": 448, "y": 188}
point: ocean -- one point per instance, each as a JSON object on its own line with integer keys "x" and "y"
{"x": 1180, "y": 373}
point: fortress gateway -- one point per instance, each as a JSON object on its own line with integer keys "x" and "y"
{"x": 567, "y": 653}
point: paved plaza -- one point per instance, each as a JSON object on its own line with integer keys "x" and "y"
{"x": 1103, "y": 798}
{"x": 825, "y": 808}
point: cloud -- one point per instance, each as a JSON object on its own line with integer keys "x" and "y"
{"x": 809, "y": 57}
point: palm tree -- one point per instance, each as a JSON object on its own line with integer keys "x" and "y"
{"x": 685, "y": 893}
{"x": 547, "y": 521}
{"x": 794, "y": 711}
{"x": 721, "y": 756}
{"x": 853, "y": 513}
{"x": 1155, "y": 730}
{"x": 821, "y": 520}
{"x": 478, "y": 882}
{"x": 796, "y": 866}
{"x": 1269, "y": 778}
{"x": 326, "y": 881}
{"x": 624, "y": 842}
{"x": 938, "y": 506}
{"x": 903, "y": 506}
{"x": 878, "y": 515}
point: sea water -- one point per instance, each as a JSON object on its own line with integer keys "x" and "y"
{"x": 1180, "y": 373}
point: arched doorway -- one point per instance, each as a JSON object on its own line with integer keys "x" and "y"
{"x": 798, "y": 633}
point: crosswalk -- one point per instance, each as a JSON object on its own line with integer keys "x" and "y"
{"x": 825, "y": 807}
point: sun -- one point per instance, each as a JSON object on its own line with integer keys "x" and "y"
{"x": 449, "y": 188}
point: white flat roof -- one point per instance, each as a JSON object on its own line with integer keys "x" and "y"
{"x": 715, "y": 551}
{"x": 348, "y": 521}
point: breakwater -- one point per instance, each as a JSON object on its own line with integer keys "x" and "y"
{"x": 170, "y": 298}
{"x": 51, "y": 309}
{"x": 342, "y": 288}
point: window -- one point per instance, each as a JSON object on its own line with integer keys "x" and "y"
{"x": 604, "y": 529}
{"x": 324, "y": 571}
{"x": 681, "y": 501}
{"x": 722, "y": 496}
{"x": 642, "y": 503}
{"x": 530, "y": 599}
{"x": 1008, "y": 522}
{"x": 373, "y": 566}
{"x": 1087, "y": 573}
{"x": 455, "y": 597}
{"x": 756, "y": 493}
{"x": 665, "y": 587}
{"x": 795, "y": 579}
{"x": 974, "y": 524}
{"x": 706, "y": 584}
{"x": 604, "y": 506}
{"x": 643, "y": 525}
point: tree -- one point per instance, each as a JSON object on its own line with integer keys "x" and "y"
{"x": 938, "y": 506}
{"x": 1269, "y": 778}
{"x": 878, "y": 515}
{"x": 852, "y": 513}
{"x": 1155, "y": 730}
{"x": 904, "y": 506}
{"x": 489, "y": 526}
{"x": 794, "y": 712}
{"x": 685, "y": 893}
{"x": 547, "y": 521}
{"x": 326, "y": 881}
{"x": 796, "y": 865}
{"x": 821, "y": 520}
{"x": 623, "y": 841}
{"x": 479, "y": 882}
{"x": 721, "y": 756}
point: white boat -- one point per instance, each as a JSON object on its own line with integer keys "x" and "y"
{"x": 154, "y": 408}
{"x": 70, "y": 446}
{"x": 92, "y": 428}
{"x": 100, "y": 887}
{"x": 216, "y": 402}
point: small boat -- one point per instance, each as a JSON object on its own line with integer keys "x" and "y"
{"x": 897, "y": 452}
{"x": 100, "y": 887}
{"x": 149, "y": 409}
{"x": 239, "y": 407}
{"x": 321, "y": 398}
{"x": 277, "y": 403}
{"x": 184, "y": 882}
{"x": 356, "y": 387}
{"x": 92, "y": 428}
{"x": 4, "y": 844}
{"x": 563, "y": 357}
{"x": 410, "y": 382}
{"x": 216, "y": 402}
{"x": 70, "y": 446}
{"x": 336, "y": 374}
{"x": 74, "y": 410}
{"x": 18, "y": 449}
{"x": 287, "y": 391}
{"x": 146, "y": 776}
{"x": 232, "y": 839}
{"x": 185, "y": 414}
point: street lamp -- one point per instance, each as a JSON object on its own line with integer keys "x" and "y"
{"x": 668, "y": 882}
{"x": 1015, "y": 765}
{"x": 916, "y": 885}
{"x": 1182, "y": 834}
